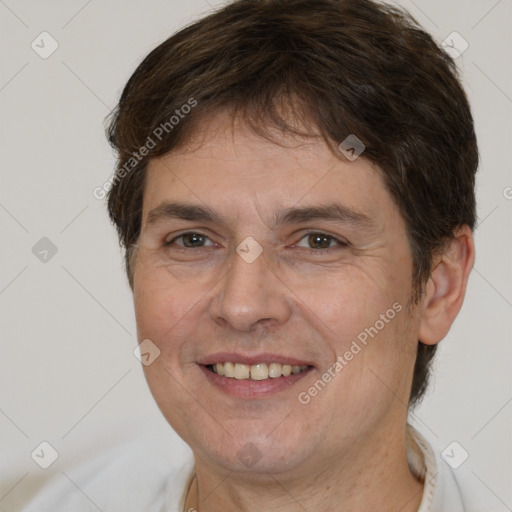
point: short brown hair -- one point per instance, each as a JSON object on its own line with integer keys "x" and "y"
{"x": 346, "y": 67}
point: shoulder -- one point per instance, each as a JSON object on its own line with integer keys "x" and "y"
{"x": 133, "y": 476}
{"x": 450, "y": 483}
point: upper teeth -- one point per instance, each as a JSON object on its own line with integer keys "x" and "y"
{"x": 258, "y": 371}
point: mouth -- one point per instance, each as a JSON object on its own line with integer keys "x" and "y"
{"x": 253, "y": 377}
{"x": 258, "y": 371}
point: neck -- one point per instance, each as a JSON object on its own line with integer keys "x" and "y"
{"x": 373, "y": 476}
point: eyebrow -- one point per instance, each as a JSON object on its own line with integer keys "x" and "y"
{"x": 332, "y": 212}
{"x": 182, "y": 211}
{"x": 295, "y": 215}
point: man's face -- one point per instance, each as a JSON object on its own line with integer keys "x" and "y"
{"x": 335, "y": 266}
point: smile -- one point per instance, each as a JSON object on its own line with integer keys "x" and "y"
{"x": 259, "y": 371}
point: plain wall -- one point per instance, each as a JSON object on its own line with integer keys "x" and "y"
{"x": 67, "y": 371}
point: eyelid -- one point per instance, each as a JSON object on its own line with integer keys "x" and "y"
{"x": 341, "y": 242}
{"x": 166, "y": 242}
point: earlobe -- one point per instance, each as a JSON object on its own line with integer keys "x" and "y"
{"x": 446, "y": 287}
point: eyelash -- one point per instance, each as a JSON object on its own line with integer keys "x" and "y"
{"x": 340, "y": 243}
{"x": 181, "y": 248}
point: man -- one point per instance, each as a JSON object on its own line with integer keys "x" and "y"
{"x": 295, "y": 194}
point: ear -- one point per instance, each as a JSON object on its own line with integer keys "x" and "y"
{"x": 446, "y": 287}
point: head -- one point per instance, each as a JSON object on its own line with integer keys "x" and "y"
{"x": 237, "y": 123}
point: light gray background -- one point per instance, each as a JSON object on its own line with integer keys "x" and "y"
{"x": 67, "y": 372}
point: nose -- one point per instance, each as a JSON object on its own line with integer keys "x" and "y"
{"x": 250, "y": 296}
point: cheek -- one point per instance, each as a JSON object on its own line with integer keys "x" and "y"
{"x": 362, "y": 317}
{"x": 343, "y": 303}
{"x": 166, "y": 313}
{"x": 164, "y": 307}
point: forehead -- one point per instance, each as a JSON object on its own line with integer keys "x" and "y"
{"x": 227, "y": 166}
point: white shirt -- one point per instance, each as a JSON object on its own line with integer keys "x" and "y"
{"x": 139, "y": 478}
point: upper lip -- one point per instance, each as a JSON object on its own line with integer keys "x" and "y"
{"x": 233, "y": 357}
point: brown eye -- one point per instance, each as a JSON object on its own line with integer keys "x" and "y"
{"x": 319, "y": 241}
{"x": 193, "y": 240}
{"x": 190, "y": 240}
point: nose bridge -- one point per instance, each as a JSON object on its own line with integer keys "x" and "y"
{"x": 250, "y": 292}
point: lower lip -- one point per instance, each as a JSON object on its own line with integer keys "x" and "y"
{"x": 251, "y": 389}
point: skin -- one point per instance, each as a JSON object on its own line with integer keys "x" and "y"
{"x": 345, "y": 449}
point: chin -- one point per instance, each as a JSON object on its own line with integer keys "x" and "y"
{"x": 255, "y": 454}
